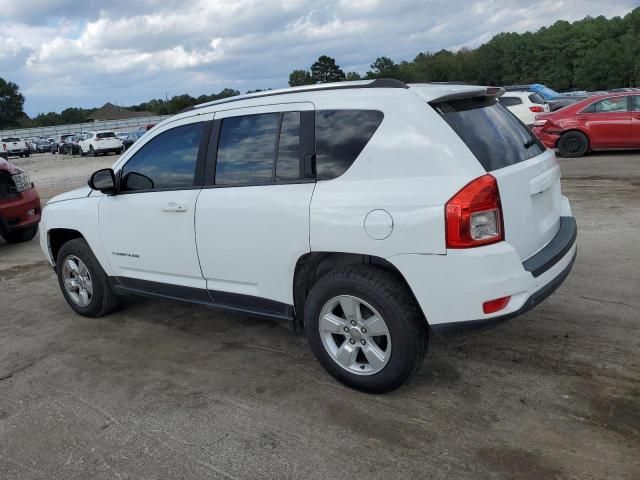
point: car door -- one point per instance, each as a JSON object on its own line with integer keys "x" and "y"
{"x": 607, "y": 122}
{"x": 634, "y": 106}
{"x": 252, "y": 217}
{"x": 147, "y": 229}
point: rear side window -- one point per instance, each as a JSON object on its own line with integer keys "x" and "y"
{"x": 167, "y": 160}
{"x": 510, "y": 101}
{"x": 340, "y": 137}
{"x": 106, "y": 135}
{"x": 246, "y": 149}
{"x": 617, "y": 104}
{"x": 635, "y": 103}
{"x": 495, "y": 136}
{"x": 537, "y": 98}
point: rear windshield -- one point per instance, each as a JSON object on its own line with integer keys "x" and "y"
{"x": 11, "y": 139}
{"x": 106, "y": 135}
{"x": 493, "y": 134}
{"x": 510, "y": 101}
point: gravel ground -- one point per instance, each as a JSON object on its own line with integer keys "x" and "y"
{"x": 165, "y": 390}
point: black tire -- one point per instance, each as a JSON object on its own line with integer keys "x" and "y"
{"x": 82, "y": 154}
{"x": 92, "y": 152}
{"x": 103, "y": 300}
{"x": 21, "y": 235}
{"x": 573, "y": 144}
{"x": 27, "y": 154}
{"x": 390, "y": 297}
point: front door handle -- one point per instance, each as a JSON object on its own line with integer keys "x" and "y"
{"x": 174, "y": 207}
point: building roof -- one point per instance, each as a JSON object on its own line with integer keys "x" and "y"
{"x": 109, "y": 111}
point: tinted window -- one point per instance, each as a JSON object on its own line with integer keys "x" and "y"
{"x": 635, "y": 103}
{"x": 288, "y": 162}
{"x": 510, "y": 101}
{"x": 495, "y": 136}
{"x": 340, "y": 137}
{"x": 106, "y": 135}
{"x": 618, "y": 104}
{"x": 537, "y": 98}
{"x": 169, "y": 159}
{"x": 246, "y": 149}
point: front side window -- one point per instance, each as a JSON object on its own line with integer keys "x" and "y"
{"x": 635, "y": 103}
{"x": 166, "y": 161}
{"x": 246, "y": 149}
{"x": 340, "y": 137}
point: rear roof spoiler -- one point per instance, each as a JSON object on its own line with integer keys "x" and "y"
{"x": 476, "y": 93}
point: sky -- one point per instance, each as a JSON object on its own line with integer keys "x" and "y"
{"x": 84, "y": 53}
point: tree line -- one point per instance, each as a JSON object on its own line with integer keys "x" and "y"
{"x": 588, "y": 54}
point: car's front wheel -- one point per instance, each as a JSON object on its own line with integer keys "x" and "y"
{"x": 83, "y": 282}
{"x": 365, "y": 328}
{"x": 21, "y": 235}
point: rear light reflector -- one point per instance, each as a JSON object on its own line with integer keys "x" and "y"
{"x": 473, "y": 216}
{"x": 536, "y": 109}
{"x": 496, "y": 305}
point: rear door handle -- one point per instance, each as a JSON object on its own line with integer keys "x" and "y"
{"x": 174, "y": 207}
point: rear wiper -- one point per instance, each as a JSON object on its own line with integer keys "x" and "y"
{"x": 530, "y": 143}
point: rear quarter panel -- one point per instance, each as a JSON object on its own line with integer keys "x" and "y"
{"x": 411, "y": 166}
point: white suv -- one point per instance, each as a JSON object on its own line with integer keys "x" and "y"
{"x": 525, "y": 105}
{"x": 365, "y": 214}
{"x": 94, "y": 143}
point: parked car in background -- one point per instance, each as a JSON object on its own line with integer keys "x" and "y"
{"x": 554, "y": 99}
{"x": 42, "y": 146}
{"x": 66, "y": 146}
{"x": 73, "y": 144}
{"x": 19, "y": 204}
{"x": 58, "y": 144}
{"x": 524, "y": 105}
{"x": 597, "y": 123}
{"x": 100, "y": 142}
{"x": 130, "y": 139}
{"x": 122, "y": 135}
{"x": 366, "y": 256}
{"x": 16, "y": 147}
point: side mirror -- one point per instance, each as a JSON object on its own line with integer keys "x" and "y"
{"x": 103, "y": 180}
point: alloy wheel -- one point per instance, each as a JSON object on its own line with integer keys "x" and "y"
{"x": 77, "y": 281}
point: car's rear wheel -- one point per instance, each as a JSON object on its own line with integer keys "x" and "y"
{"x": 21, "y": 235}
{"x": 83, "y": 282}
{"x": 573, "y": 144}
{"x": 92, "y": 152}
{"x": 365, "y": 328}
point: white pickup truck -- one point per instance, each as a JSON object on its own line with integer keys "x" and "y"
{"x": 17, "y": 147}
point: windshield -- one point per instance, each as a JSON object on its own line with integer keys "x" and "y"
{"x": 493, "y": 134}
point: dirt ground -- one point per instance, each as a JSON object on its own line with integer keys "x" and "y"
{"x": 165, "y": 390}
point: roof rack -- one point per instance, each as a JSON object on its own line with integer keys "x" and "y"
{"x": 377, "y": 83}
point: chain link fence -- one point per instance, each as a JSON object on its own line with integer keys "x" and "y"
{"x": 55, "y": 130}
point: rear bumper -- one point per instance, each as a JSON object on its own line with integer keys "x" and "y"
{"x": 452, "y": 288}
{"x": 14, "y": 213}
{"x": 549, "y": 140}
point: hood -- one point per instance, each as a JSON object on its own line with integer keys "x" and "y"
{"x": 73, "y": 194}
{"x": 7, "y": 166}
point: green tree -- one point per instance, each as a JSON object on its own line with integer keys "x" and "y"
{"x": 298, "y": 78}
{"x": 383, "y": 67}
{"x": 11, "y": 103}
{"x": 353, "y": 76}
{"x": 325, "y": 70}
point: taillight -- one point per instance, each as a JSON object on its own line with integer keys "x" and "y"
{"x": 473, "y": 215}
{"x": 536, "y": 109}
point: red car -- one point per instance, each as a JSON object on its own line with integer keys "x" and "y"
{"x": 19, "y": 203}
{"x": 600, "y": 122}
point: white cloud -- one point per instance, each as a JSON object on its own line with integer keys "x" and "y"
{"x": 63, "y": 52}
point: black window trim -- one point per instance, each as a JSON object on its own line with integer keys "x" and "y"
{"x": 199, "y": 173}
{"x": 307, "y": 152}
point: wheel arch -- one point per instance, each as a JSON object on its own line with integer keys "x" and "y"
{"x": 56, "y": 237}
{"x": 311, "y": 266}
{"x": 575, "y": 129}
